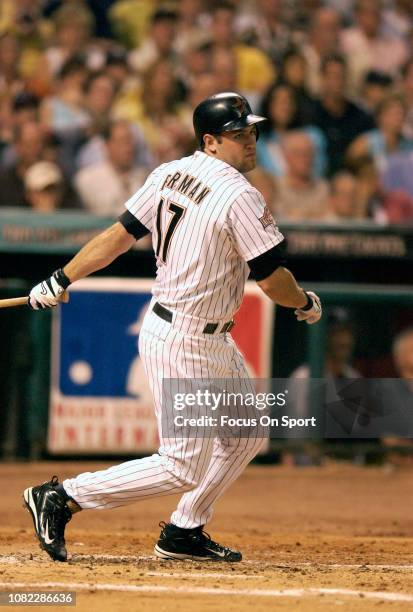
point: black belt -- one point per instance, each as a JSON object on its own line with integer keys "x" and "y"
{"x": 210, "y": 328}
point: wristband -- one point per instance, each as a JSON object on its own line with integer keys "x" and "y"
{"x": 309, "y": 304}
{"x": 61, "y": 278}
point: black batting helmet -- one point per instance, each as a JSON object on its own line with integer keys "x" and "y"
{"x": 223, "y": 112}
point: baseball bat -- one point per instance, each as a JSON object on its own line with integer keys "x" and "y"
{"x": 22, "y": 301}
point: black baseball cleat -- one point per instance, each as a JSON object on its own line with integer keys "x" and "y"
{"x": 50, "y": 514}
{"x": 177, "y": 543}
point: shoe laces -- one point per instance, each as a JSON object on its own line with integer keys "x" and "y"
{"x": 61, "y": 514}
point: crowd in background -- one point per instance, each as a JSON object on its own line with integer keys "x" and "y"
{"x": 95, "y": 93}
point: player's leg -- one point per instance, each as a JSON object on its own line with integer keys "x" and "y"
{"x": 178, "y": 466}
{"x": 229, "y": 458}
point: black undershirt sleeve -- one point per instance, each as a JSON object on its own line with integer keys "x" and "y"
{"x": 265, "y": 264}
{"x": 132, "y": 225}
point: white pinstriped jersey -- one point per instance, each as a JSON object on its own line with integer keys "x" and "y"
{"x": 206, "y": 221}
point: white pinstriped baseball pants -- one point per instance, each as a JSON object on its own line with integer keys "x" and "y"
{"x": 201, "y": 468}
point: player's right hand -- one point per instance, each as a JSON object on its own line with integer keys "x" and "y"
{"x": 48, "y": 293}
{"x": 313, "y": 312}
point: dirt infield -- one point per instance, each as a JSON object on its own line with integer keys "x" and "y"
{"x": 312, "y": 539}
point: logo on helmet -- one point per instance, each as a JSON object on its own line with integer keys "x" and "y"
{"x": 240, "y": 105}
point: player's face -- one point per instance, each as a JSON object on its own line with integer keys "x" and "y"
{"x": 238, "y": 148}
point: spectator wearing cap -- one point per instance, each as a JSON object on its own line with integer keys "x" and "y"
{"x": 336, "y": 115}
{"x": 253, "y": 68}
{"x": 105, "y": 186}
{"x": 376, "y": 87}
{"x": 158, "y": 44}
{"x": 366, "y": 47}
{"x": 388, "y": 137}
{"x": 46, "y": 190}
{"x": 299, "y": 196}
{"x": 323, "y": 41}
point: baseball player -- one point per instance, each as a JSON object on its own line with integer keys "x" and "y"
{"x": 210, "y": 228}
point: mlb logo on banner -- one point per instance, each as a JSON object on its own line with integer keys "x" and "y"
{"x": 100, "y": 397}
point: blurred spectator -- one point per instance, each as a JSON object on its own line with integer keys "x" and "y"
{"x": 294, "y": 73}
{"x": 127, "y": 84}
{"x": 339, "y": 351}
{"x": 280, "y": 106}
{"x": 299, "y": 196}
{"x": 254, "y": 70}
{"x": 261, "y": 26}
{"x": 99, "y": 95}
{"x": 366, "y": 47}
{"x": 323, "y": 42}
{"x": 99, "y": 8}
{"x": 105, "y": 186}
{"x": 24, "y": 19}
{"x": 224, "y": 69}
{"x": 374, "y": 200}
{"x": 130, "y": 20}
{"x": 159, "y": 43}
{"x": 342, "y": 204}
{"x": 29, "y": 147}
{"x": 74, "y": 25}
{"x": 339, "y": 119}
{"x": 388, "y": 137}
{"x": 46, "y": 189}
{"x": 11, "y": 82}
{"x": 407, "y": 93}
{"x": 64, "y": 112}
{"x": 400, "y": 399}
{"x": 95, "y": 150}
{"x": 398, "y": 173}
{"x": 402, "y": 351}
{"x": 376, "y": 87}
{"x": 195, "y": 61}
{"x": 338, "y": 421}
{"x": 165, "y": 122}
{"x": 206, "y": 85}
{"x": 192, "y": 25}
{"x": 397, "y": 19}
{"x": 25, "y": 107}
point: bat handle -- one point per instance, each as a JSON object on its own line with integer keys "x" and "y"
{"x": 22, "y": 301}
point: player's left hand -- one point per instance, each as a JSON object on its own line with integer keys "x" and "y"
{"x": 313, "y": 312}
{"x": 48, "y": 293}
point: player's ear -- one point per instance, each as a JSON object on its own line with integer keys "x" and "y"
{"x": 210, "y": 143}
